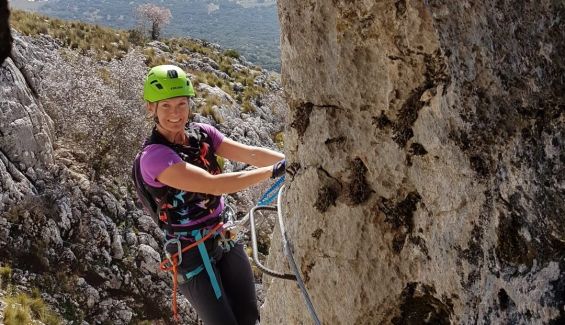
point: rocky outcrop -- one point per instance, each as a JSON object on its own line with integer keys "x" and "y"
{"x": 426, "y": 145}
{"x": 60, "y": 232}
{"x": 25, "y": 145}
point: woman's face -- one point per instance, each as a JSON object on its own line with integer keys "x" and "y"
{"x": 172, "y": 113}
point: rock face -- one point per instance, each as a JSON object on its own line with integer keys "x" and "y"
{"x": 426, "y": 144}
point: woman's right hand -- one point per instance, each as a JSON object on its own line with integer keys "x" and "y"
{"x": 279, "y": 169}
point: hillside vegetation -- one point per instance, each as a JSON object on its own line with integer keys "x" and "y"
{"x": 251, "y": 27}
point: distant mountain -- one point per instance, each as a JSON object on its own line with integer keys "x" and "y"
{"x": 249, "y": 26}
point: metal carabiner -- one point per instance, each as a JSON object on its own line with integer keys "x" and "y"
{"x": 179, "y": 249}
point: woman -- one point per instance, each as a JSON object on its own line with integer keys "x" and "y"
{"x": 180, "y": 172}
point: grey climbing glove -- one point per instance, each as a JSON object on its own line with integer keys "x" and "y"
{"x": 279, "y": 169}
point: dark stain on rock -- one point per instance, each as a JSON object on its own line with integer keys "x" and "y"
{"x": 556, "y": 295}
{"x": 419, "y": 306}
{"x": 402, "y": 129}
{"x": 398, "y": 242}
{"x": 381, "y": 121}
{"x": 400, "y": 8}
{"x": 306, "y": 269}
{"x": 436, "y": 69}
{"x": 302, "y": 118}
{"x": 479, "y": 165}
{"x": 417, "y": 149}
{"x": 327, "y": 195}
{"x": 395, "y": 58}
{"x": 400, "y": 216}
{"x": 317, "y": 233}
{"x": 513, "y": 249}
{"x": 420, "y": 243}
{"x": 512, "y": 246}
{"x": 503, "y": 299}
{"x": 436, "y": 73}
{"x": 338, "y": 140}
{"x": 461, "y": 139}
{"x": 358, "y": 190}
{"x": 474, "y": 252}
{"x": 330, "y": 189}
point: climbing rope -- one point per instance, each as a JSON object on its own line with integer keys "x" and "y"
{"x": 286, "y": 245}
{"x": 288, "y": 252}
{"x": 271, "y": 194}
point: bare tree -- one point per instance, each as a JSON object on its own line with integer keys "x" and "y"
{"x": 155, "y": 15}
{"x": 103, "y": 116}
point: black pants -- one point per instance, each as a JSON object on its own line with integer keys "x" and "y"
{"x": 238, "y": 303}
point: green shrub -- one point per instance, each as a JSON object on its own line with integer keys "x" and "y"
{"x": 136, "y": 37}
{"x": 232, "y": 53}
{"x": 247, "y": 107}
{"x": 5, "y": 276}
{"x": 279, "y": 139}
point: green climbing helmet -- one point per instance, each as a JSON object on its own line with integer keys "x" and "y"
{"x": 166, "y": 81}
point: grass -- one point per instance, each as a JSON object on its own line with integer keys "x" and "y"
{"x": 209, "y": 109}
{"x": 23, "y": 308}
{"x": 246, "y": 107}
{"x": 5, "y": 276}
{"x": 103, "y": 43}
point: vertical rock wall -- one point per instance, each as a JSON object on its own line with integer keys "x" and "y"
{"x": 25, "y": 136}
{"x": 426, "y": 150}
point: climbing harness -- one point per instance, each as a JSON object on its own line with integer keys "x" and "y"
{"x": 228, "y": 234}
{"x": 171, "y": 263}
{"x": 287, "y": 249}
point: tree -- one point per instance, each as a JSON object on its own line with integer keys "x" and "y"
{"x": 426, "y": 153}
{"x": 102, "y": 109}
{"x": 156, "y": 16}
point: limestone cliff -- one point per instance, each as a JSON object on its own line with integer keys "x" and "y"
{"x": 426, "y": 149}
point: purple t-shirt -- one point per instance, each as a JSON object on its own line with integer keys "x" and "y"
{"x": 155, "y": 158}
